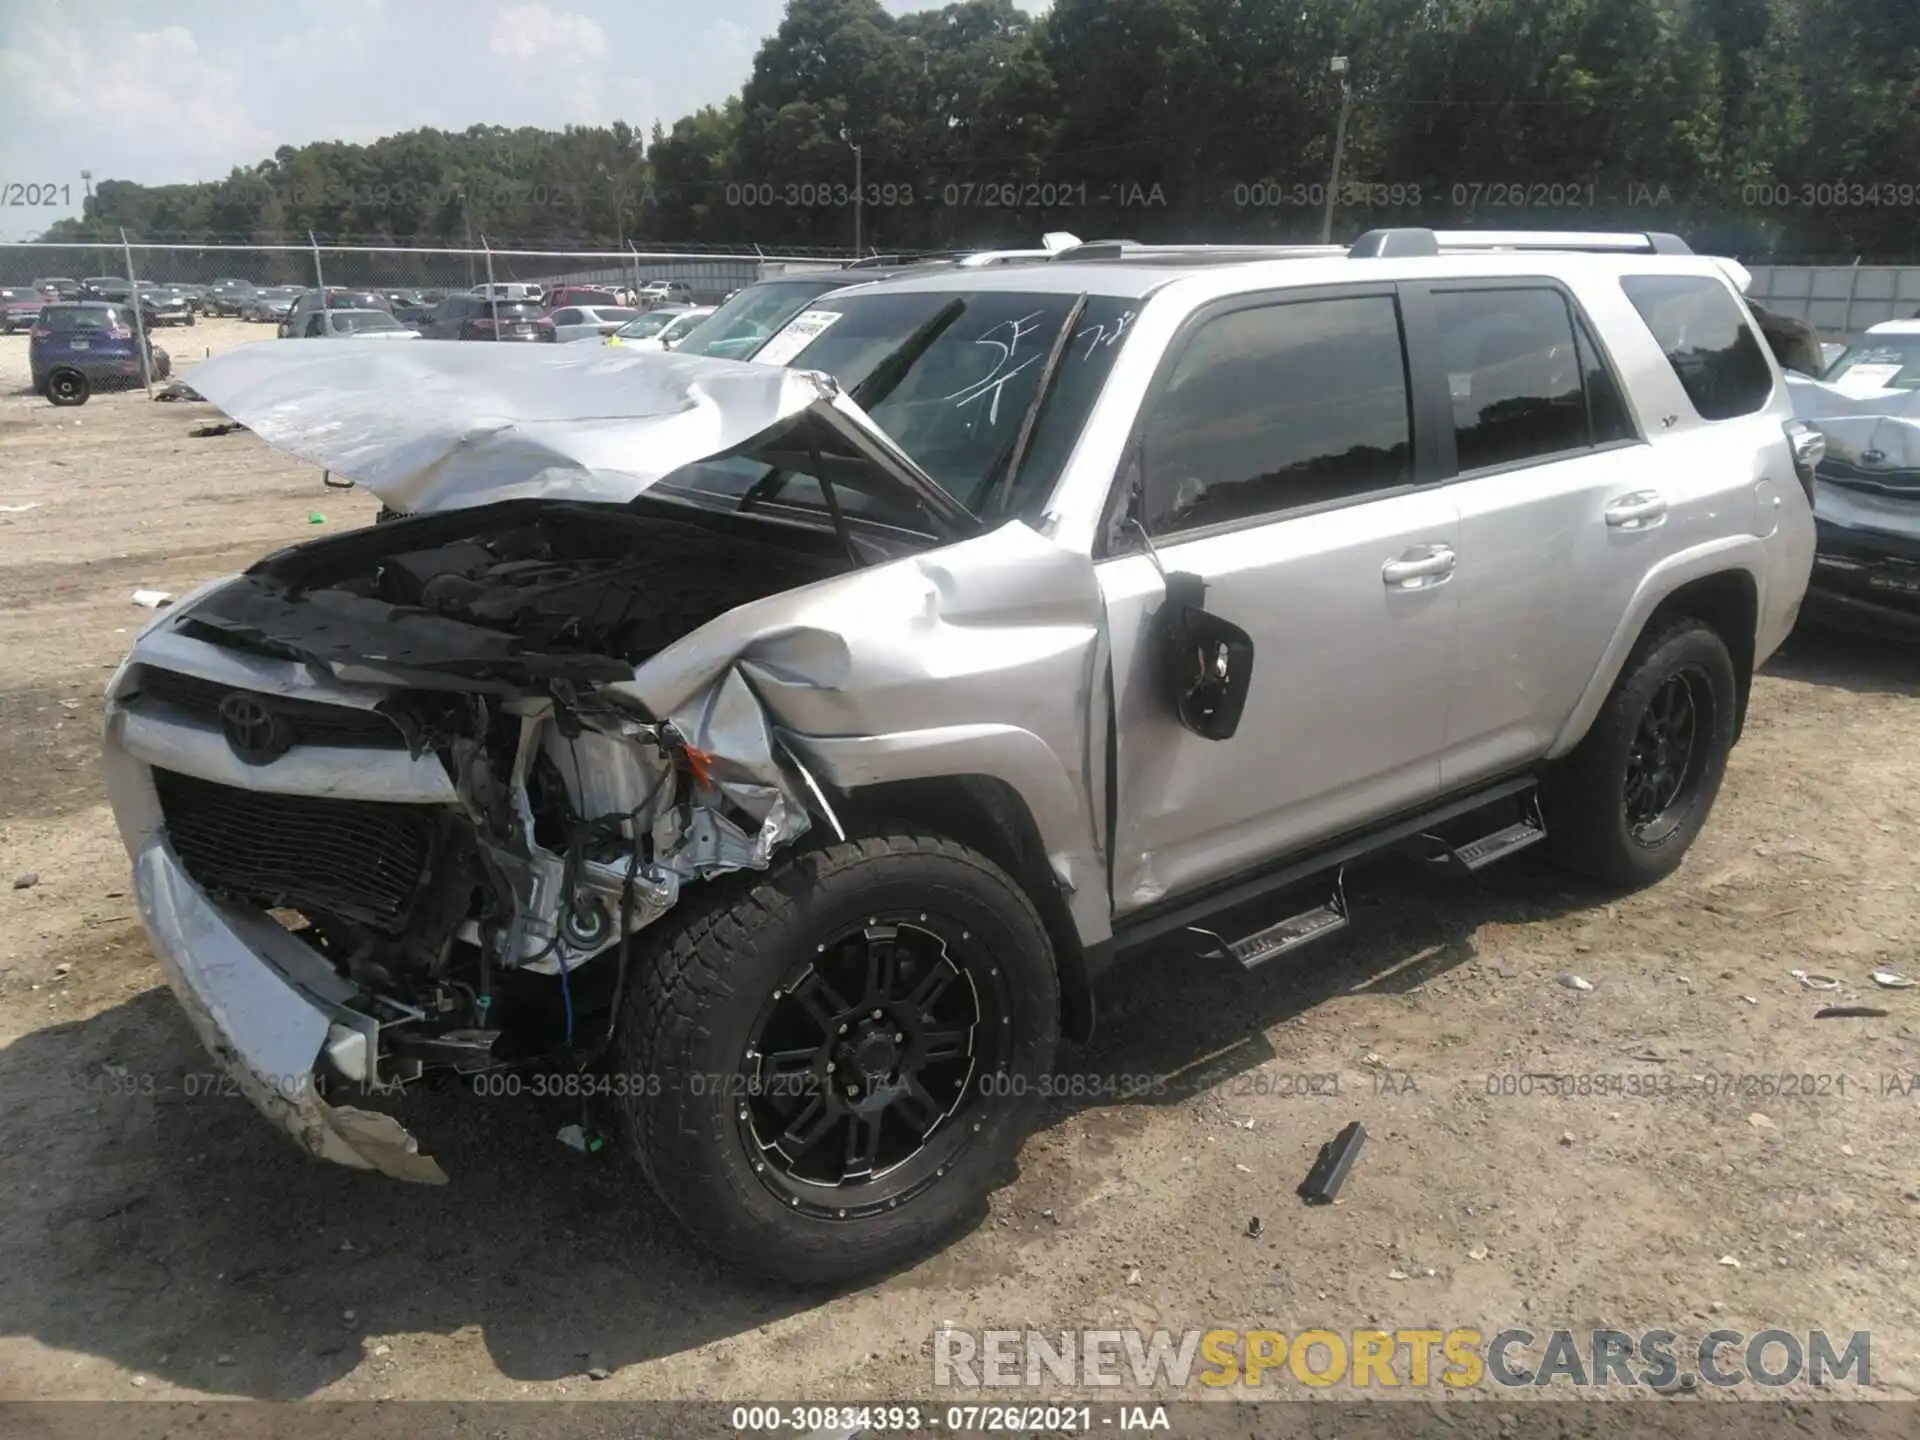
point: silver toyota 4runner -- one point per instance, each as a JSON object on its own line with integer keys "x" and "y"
{"x": 780, "y": 750}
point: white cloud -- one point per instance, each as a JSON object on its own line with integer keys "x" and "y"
{"x": 536, "y": 33}
{"x": 151, "y": 103}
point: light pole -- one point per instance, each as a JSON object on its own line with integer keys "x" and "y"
{"x": 857, "y": 199}
{"x": 1339, "y": 67}
{"x": 466, "y": 214}
{"x": 86, "y": 178}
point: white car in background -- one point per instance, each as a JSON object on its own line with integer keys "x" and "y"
{"x": 668, "y": 335}
{"x": 590, "y": 322}
{"x": 355, "y": 325}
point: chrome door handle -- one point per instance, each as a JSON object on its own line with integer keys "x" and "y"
{"x": 1421, "y": 566}
{"x": 1639, "y": 511}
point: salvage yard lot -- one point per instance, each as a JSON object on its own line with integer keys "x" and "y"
{"x": 158, "y": 1239}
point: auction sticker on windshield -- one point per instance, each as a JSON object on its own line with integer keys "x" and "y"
{"x": 800, "y": 332}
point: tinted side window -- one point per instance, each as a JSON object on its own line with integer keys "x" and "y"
{"x": 1273, "y": 408}
{"x": 1514, "y": 374}
{"x": 1707, "y": 339}
{"x": 1607, "y": 412}
{"x": 566, "y": 317}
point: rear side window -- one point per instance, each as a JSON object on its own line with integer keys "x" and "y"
{"x": 1513, "y": 371}
{"x": 1708, "y": 341}
{"x": 1277, "y": 407}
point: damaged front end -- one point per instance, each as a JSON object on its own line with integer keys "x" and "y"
{"x": 1866, "y": 507}
{"x": 386, "y": 792}
{"x": 412, "y": 755}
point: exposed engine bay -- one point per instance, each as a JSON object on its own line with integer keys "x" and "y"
{"x": 496, "y": 633}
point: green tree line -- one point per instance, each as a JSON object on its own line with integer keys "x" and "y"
{"x": 1782, "y": 127}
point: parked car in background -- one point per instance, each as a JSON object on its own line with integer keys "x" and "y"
{"x": 1884, "y": 359}
{"x": 95, "y": 287}
{"x": 410, "y": 307}
{"x": 508, "y": 290}
{"x": 269, "y": 304}
{"x": 194, "y": 295}
{"x": 337, "y": 298}
{"x": 648, "y": 324}
{"x": 58, "y": 287}
{"x": 664, "y": 292}
{"x": 737, "y": 329}
{"x": 76, "y": 347}
{"x": 562, "y": 296}
{"x": 1866, "y": 500}
{"x": 682, "y": 325}
{"x": 589, "y": 322}
{"x": 19, "y": 308}
{"x": 225, "y": 297}
{"x": 473, "y": 317}
{"x": 358, "y": 324}
{"x": 162, "y": 305}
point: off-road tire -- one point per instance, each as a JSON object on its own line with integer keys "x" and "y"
{"x": 692, "y": 1006}
{"x": 67, "y": 386}
{"x": 1582, "y": 798}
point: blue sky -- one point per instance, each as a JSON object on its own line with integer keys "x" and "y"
{"x": 186, "y": 89}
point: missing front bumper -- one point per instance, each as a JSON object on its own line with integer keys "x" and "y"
{"x": 265, "y": 1005}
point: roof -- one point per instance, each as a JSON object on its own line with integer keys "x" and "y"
{"x": 1228, "y": 270}
{"x": 1895, "y": 327}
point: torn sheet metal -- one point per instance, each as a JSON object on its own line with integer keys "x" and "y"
{"x": 1870, "y": 477}
{"x": 448, "y": 426}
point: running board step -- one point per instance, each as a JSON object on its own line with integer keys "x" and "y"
{"x": 1478, "y": 854}
{"x": 1291, "y": 933}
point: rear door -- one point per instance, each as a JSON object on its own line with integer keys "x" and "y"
{"x": 1275, "y": 459}
{"x": 1558, "y": 508}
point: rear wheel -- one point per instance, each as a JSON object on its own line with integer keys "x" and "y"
{"x": 1628, "y": 802}
{"x": 832, "y": 1064}
{"x": 67, "y": 386}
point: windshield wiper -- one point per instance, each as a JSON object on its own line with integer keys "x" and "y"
{"x": 882, "y": 380}
{"x": 999, "y": 479}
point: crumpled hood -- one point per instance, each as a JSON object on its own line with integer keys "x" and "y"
{"x": 446, "y": 425}
{"x": 1876, "y": 431}
{"x": 1870, "y": 478}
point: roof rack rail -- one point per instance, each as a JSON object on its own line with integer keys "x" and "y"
{"x": 1138, "y": 253}
{"x": 1411, "y": 241}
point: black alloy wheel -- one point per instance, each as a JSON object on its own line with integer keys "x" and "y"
{"x": 862, "y": 1070}
{"x": 1661, "y": 765}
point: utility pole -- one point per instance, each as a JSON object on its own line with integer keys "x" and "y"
{"x": 466, "y": 212}
{"x": 858, "y": 199}
{"x": 1339, "y": 67}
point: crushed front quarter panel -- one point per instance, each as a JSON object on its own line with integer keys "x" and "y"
{"x": 979, "y": 658}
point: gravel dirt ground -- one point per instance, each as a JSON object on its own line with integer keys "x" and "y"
{"x": 1741, "y": 1165}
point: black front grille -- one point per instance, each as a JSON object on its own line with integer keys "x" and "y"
{"x": 359, "y": 859}
{"x": 313, "y": 722}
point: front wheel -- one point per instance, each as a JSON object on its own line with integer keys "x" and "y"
{"x": 1628, "y": 801}
{"x": 841, "y": 1057}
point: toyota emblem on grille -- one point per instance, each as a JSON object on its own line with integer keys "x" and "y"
{"x": 254, "y": 732}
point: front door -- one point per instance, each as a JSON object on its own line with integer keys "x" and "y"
{"x": 1275, "y": 459}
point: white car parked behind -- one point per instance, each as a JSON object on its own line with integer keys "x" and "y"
{"x": 589, "y": 322}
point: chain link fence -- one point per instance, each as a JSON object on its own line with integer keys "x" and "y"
{"x": 710, "y": 276}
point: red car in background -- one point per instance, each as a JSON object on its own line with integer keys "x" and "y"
{"x": 19, "y": 308}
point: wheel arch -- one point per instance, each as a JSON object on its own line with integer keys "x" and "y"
{"x": 987, "y": 814}
{"x": 1720, "y": 585}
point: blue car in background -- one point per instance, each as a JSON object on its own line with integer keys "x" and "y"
{"x": 76, "y": 348}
